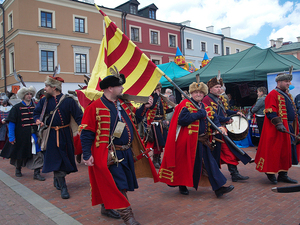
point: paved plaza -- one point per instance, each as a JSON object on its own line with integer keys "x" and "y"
{"x": 27, "y": 201}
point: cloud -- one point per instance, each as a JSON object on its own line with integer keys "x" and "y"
{"x": 245, "y": 17}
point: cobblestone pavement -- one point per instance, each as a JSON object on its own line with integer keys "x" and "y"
{"x": 251, "y": 201}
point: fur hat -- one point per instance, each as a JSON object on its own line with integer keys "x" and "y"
{"x": 198, "y": 87}
{"x": 283, "y": 76}
{"x": 54, "y": 82}
{"x": 3, "y": 96}
{"x": 40, "y": 94}
{"x": 158, "y": 86}
{"x": 214, "y": 81}
{"x": 24, "y": 90}
{"x": 113, "y": 80}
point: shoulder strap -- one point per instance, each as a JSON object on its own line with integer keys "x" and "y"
{"x": 54, "y": 111}
{"x": 56, "y": 107}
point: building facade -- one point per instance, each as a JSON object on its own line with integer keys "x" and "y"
{"x": 197, "y": 43}
{"x": 286, "y": 48}
{"x": 40, "y": 34}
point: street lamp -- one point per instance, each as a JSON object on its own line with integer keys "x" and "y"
{"x": 4, "y": 50}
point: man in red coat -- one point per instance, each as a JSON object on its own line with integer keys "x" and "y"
{"x": 276, "y": 153}
{"x": 187, "y": 159}
{"x": 111, "y": 147}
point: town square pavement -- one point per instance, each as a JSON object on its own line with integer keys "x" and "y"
{"x": 27, "y": 201}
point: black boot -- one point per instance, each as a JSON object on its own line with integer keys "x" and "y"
{"x": 155, "y": 161}
{"x": 78, "y": 158}
{"x": 63, "y": 186}
{"x": 110, "y": 212}
{"x": 183, "y": 190}
{"x": 159, "y": 159}
{"x": 272, "y": 178}
{"x": 223, "y": 190}
{"x": 235, "y": 175}
{"x": 18, "y": 172}
{"x": 127, "y": 216}
{"x": 55, "y": 183}
{"x": 37, "y": 175}
{"x": 283, "y": 177}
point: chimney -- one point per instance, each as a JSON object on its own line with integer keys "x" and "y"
{"x": 226, "y": 31}
{"x": 210, "y": 29}
{"x": 279, "y": 42}
{"x": 298, "y": 39}
{"x": 186, "y": 23}
{"x": 89, "y": 1}
{"x": 272, "y": 42}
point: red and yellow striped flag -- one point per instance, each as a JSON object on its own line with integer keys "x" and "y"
{"x": 142, "y": 75}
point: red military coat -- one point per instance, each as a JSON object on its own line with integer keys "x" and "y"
{"x": 179, "y": 158}
{"x": 96, "y": 118}
{"x": 274, "y": 150}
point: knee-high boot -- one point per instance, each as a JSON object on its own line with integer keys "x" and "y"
{"x": 127, "y": 214}
{"x": 37, "y": 175}
{"x": 235, "y": 175}
{"x": 18, "y": 172}
{"x": 156, "y": 161}
{"x": 63, "y": 187}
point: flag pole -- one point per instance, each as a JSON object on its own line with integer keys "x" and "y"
{"x": 209, "y": 120}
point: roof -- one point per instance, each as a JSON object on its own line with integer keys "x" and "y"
{"x": 252, "y": 64}
{"x": 172, "y": 70}
{"x": 287, "y": 48}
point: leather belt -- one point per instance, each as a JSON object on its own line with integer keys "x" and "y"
{"x": 122, "y": 147}
{"x": 57, "y": 132}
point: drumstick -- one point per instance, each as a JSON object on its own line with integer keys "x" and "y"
{"x": 239, "y": 123}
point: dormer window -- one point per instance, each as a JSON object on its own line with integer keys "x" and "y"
{"x": 152, "y": 14}
{"x": 133, "y": 9}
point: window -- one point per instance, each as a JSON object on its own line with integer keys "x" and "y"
{"x": 156, "y": 62}
{"x": 81, "y": 59}
{"x": 188, "y": 43}
{"x": 133, "y": 9}
{"x": 156, "y": 59}
{"x": 135, "y": 34}
{"x": 47, "y": 56}
{"x": 173, "y": 40}
{"x": 47, "y": 62}
{"x": 152, "y": 14}
{"x": 79, "y": 25}
{"x": 203, "y": 46}
{"x": 1, "y": 31}
{"x": 10, "y": 21}
{"x": 154, "y": 38}
{"x": 227, "y": 50}
{"x": 237, "y": 50}
{"x": 2, "y": 65}
{"x": 46, "y": 19}
{"x": 11, "y": 58}
{"x": 216, "y": 49}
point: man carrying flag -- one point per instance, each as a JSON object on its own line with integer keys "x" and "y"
{"x": 111, "y": 145}
{"x": 108, "y": 138}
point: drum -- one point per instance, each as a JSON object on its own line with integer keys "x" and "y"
{"x": 238, "y": 129}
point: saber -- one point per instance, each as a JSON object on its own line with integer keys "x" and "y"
{"x": 209, "y": 120}
{"x": 288, "y": 189}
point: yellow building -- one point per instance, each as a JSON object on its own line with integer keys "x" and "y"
{"x": 40, "y": 34}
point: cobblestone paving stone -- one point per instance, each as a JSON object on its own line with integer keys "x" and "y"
{"x": 251, "y": 201}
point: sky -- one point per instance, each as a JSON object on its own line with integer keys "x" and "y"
{"x": 254, "y": 21}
